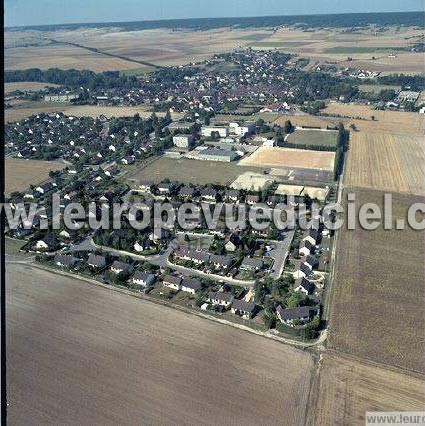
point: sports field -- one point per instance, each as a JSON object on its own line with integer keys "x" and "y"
{"x": 313, "y": 137}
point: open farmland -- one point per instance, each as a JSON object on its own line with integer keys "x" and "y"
{"x": 378, "y": 300}
{"x": 287, "y": 157}
{"x": 190, "y": 171}
{"x": 25, "y": 109}
{"x": 394, "y": 122}
{"x": 20, "y": 174}
{"x": 349, "y": 388}
{"x": 97, "y": 356}
{"x": 313, "y": 138}
{"x": 387, "y": 162}
{"x": 27, "y": 86}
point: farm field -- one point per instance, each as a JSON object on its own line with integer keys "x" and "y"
{"x": 378, "y": 302}
{"x": 308, "y": 120}
{"x": 27, "y": 85}
{"x": 387, "y": 162}
{"x": 190, "y": 171}
{"x": 25, "y": 109}
{"x": 20, "y": 174}
{"x": 349, "y": 388}
{"x": 376, "y": 88}
{"x": 394, "y": 122}
{"x": 287, "y": 157}
{"x": 313, "y": 137}
{"x": 97, "y": 356}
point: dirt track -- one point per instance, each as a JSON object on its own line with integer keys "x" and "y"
{"x": 82, "y": 354}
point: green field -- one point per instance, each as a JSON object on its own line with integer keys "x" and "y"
{"x": 13, "y": 246}
{"x": 376, "y": 88}
{"x": 191, "y": 171}
{"x": 313, "y": 137}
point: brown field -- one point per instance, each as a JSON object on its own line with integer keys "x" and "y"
{"x": 388, "y": 162}
{"x": 26, "y": 85}
{"x": 25, "y": 109}
{"x": 287, "y": 157}
{"x": 349, "y": 388}
{"x": 378, "y": 300}
{"x": 97, "y": 356}
{"x": 394, "y": 122}
{"x": 20, "y": 174}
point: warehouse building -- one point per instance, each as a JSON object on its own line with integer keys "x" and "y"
{"x": 218, "y": 155}
{"x": 183, "y": 140}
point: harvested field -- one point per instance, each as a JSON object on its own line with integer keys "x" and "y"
{"x": 286, "y": 157}
{"x": 20, "y": 174}
{"x": 97, "y": 356}
{"x": 25, "y": 109}
{"x": 313, "y": 137}
{"x": 26, "y": 85}
{"x": 349, "y": 388}
{"x": 387, "y": 162}
{"x": 309, "y": 120}
{"x": 394, "y": 122}
{"x": 378, "y": 300}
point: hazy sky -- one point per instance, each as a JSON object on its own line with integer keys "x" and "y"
{"x": 38, "y": 12}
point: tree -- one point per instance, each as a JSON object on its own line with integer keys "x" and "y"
{"x": 372, "y": 117}
{"x": 353, "y": 126}
{"x": 287, "y": 128}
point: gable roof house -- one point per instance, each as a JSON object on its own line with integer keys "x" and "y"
{"x": 305, "y": 248}
{"x": 208, "y": 194}
{"x": 252, "y": 199}
{"x": 244, "y": 309}
{"x": 302, "y": 285}
{"x": 221, "y": 261}
{"x": 143, "y": 279}
{"x": 311, "y": 236}
{"x": 171, "y": 281}
{"x": 187, "y": 191}
{"x": 232, "y": 242}
{"x": 288, "y": 316}
{"x": 146, "y": 185}
{"x": 232, "y": 195}
{"x": 120, "y": 267}
{"x": 65, "y": 260}
{"x": 311, "y": 261}
{"x": 303, "y": 271}
{"x": 165, "y": 188}
{"x": 251, "y": 264}
{"x": 96, "y": 261}
{"x": 191, "y": 285}
{"x": 48, "y": 242}
{"x": 221, "y": 299}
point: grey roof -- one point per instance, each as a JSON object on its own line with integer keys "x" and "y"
{"x": 306, "y": 284}
{"x": 192, "y": 283}
{"x": 311, "y": 260}
{"x": 243, "y": 306}
{"x": 65, "y": 259}
{"x": 96, "y": 260}
{"x": 224, "y": 297}
{"x": 172, "y": 279}
{"x": 252, "y": 263}
{"x": 293, "y": 313}
{"x": 144, "y": 276}
{"x": 307, "y": 244}
{"x": 232, "y": 193}
{"x": 120, "y": 265}
{"x": 254, "y": 198}
{"x": 208, "y": 192}
{"x": 186, "y": 191}
{"x": 221, "y": 260}
{"x": 304, "y": 268}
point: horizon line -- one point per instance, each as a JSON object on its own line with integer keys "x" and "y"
{"x": 205, "y": 18}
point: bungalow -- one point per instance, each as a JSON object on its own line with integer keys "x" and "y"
{"x": 222, "y": 299}
{"x": 303, "y": 271}
{"x": 172, "y": 281}
{"x": 244, "y": 309}
{"x": 252, "y": 199}
{"x": 209, "y": 194}
{"x": 251, "y": 264}
{"x": 220, "y": 261}
{"x": 120, "y": 267}
{"x": 49, "y": 242}
{"x": 311, "y": 261}
{"x": 65, "y": 260}
{"x": 96, "y": 261}
{"x": 191, "y": 285}
{"x": 232, "y": 195}
{"x": 305, "y": 248}
{"x": 302, "y": 285}
{"x": 288, "y": 316}
{"x": 143, "y": 279}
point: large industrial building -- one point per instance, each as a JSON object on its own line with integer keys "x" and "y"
{"x": 217, "y": 155}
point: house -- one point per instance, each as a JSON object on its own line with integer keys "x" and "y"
{"x": 311, "y": 261}
{"x": 251, "y": 264}
{"x": 172, "y": 281}
{"x": 305, "y": 248}
{"x": 49, "y": 242}
{"x": 302, "y": 285}
{"x": 244, "y": 309}
{"x": 65, "y": 260}
{"x": 96, "y": 261}
{"x": 311, "y": 236}
{"x": 44, "y": 188}
{"x": 303, "y": 271}
{"x": 120, "y": 267}
{"x": 143, "y": 279}
{"x": 232, "y": 242}
{"x": 197, "y": 256}
{"x": 288, "y": 316}
{"x": 221, "y": 299}
{"x": 252, "y": 199}
{"x": 220, "y": 261}
{"x": 208, "y": 131}
{"x": 165, "y": 188}
{"x": 232, "y": 195}
{"x": 209, "y": 194}
{"x": 191, "y": 285}
{"x": 187, "y": 192}
{"x": 183, "y": 140}
{"x": 146, "y": 185}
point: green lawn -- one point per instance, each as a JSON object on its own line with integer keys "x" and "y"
{"x": 313, "y": 137}
{"x": 376, "y": 88}
{"x": 13, "y": 246}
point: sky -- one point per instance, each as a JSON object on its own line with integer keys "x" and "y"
{"x": 42, "y": 12}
